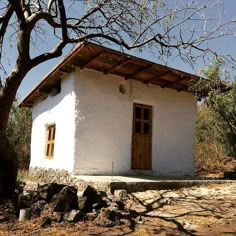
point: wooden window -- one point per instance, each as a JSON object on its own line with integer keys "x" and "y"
{"x": 50, "y": 142}
{"x": 142, "y": 119}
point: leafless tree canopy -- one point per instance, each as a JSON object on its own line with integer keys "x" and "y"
{"x": 181, "y": 28}
{"x": 34, "y": 31}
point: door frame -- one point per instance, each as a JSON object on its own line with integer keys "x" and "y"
{"x": 145, "y": 135}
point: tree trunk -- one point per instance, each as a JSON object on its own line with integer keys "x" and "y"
{"x": 8, "y": 167}
{"x": 8, "y": 157}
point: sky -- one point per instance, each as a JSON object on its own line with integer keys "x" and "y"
{"x": 227, "y": 45}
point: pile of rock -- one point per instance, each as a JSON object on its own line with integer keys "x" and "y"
{"x": 59, "y": 202}
{"x": 7, "y": 210}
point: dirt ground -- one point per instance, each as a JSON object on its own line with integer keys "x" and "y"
{"x": 205, "y": 210}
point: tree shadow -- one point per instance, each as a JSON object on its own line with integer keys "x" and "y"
{"x": 200, "y": 206}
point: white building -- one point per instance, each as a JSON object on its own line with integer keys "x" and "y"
{"x": 103, "y": 112}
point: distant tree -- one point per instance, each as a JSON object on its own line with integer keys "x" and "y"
{"x": 219, "y": 93}
{"x": 19, "y": 133}
{"x": 172, "y": 28}
{"x": 209, "y": 153}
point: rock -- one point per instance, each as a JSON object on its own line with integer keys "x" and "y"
{"x": 46, "y": 221}
{"x": 7, "y": 210}
{"x": 98, "y": 205}
{"x": 118, "y": 199}
{"x": 38, "y": 207}
{"x": 113, "y": 207}
{"x": 57, "y": 216}
{"x": 169, "y": 201}
{"x": 91, "y": 215}
{"x": 75, "y": 216}
{"x": 121, "y": 194}
{"x": 25, "y": 200}
{"x": 62, "y": 202}
{"x": 111, "y": 200}
{"x": 65, "y": 200}
{"x": 108, "y": 218}
{"x": 91, "y": 193}
{"x": 82, "y": 201}
{"x": 109, "y": 196}
{"x": 107, "y": 200}
{"x": 91, "y": 199}
{"x": 120, "y": 204}
{"x": 35, "y": 196}
{"x": 47, "y": 191}
{"x": 139, "y": 220}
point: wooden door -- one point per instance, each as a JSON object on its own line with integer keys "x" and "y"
{"x": 142, "y": 137}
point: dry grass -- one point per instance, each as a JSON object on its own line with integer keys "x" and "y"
{"x": 23, "y": 175}
{"x": 209, "y": 156}
{"x": 209, "y": 153}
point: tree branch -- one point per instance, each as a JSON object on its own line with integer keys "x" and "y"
{"x": 18, "y": 8}
{"x": 63, "y": 20}
{"x": 91, "y": 12}
{"x": 4, "y": 20}
{"x": 56, "y": 52}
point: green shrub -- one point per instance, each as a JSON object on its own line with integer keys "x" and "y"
{"x": 19, "y": 133}
{"x": 219, "y": 94}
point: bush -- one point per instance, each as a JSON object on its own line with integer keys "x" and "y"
{"x": 219, "y": 93}
{"x": 19, "y": 133}
{"x": 209, "y": 152}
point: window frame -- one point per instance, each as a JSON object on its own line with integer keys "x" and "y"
{"x": 145, "y": 122}
{"x": 50, "y": 141}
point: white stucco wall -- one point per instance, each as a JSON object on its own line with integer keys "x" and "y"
{"x": 104, "y": 125}
{"x": 94, "y": 126}
{"x": 59, "y": 110}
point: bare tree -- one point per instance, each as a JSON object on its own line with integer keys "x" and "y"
{"x": 172, "y": 28}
